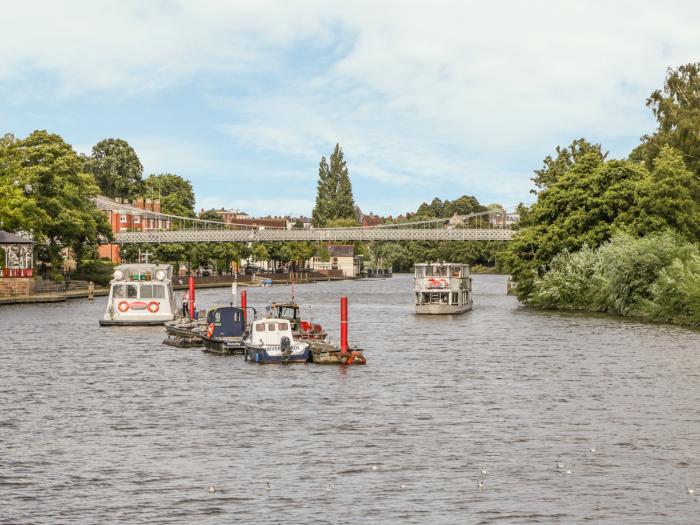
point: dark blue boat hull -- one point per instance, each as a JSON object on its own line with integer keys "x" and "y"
{"x": 260, "y": 356}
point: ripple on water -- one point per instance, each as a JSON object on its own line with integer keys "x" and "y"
{"x": 111, "y": 425}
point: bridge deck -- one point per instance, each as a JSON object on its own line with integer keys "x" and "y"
{"x": 316, "y": 235}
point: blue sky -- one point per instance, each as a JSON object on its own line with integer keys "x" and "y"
{"x": 426, "y": 98}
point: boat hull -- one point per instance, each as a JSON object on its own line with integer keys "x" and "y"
{"x": 260, "y": 355}
{"x": 442, "y": 309}
{"x": 132, "y": 322}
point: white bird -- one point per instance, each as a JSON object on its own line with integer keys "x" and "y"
{"x": 212, "y": 489}
{"x": 328, "y": 487}
{"x": 560, "y": 465}
{"x": 268, "y": 486}
{"x": 403, "y": 486}
{"x": 375, "y": 467}
{"x": 690, "y": 491}
{"x": 483, "y": 471}
{"x": 479, "y": 483}
{"x": 592, "y": 450}
{"x": 568, "y": 471}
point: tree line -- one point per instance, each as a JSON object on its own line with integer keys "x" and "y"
{"x": 593, "y": 214}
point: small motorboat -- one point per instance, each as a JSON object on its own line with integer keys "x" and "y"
{"x": 225, "y": 329}
{"x": 271, "y": 341}
{"x": 301, "y": 329}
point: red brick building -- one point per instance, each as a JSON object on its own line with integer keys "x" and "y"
{"x": 142, "y": 215}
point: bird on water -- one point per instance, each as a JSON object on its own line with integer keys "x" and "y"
{"x": 212, "y": 489}
{"x": 690, "y": 491}
{"x": 328, "y": 487}
{"x": 483, "y": 471}
{"x": 375, "y": 467}
{"x": 268, "y": 486}
{"x": 480, "y": 483}
{"x": 560, "y": 465}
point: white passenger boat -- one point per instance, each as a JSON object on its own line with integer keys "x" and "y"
{"x": 271, "y": 341}
{"x": 140, "y": 294}
{"x": 442, "y": 288}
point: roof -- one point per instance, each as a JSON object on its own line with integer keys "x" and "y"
{"x": 341, "y": 250}
{"x": 11, "y": 238}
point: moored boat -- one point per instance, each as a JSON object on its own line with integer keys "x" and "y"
{"x": 270, "y": 341}
{"x": 301, "y": 329}
{"x": 225, "y": 330}
{"x": 442, "y": 288}
{"x": 140, "y": 294}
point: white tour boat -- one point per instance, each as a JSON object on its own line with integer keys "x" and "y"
{"x": 140, "y": 294}
{"x": 443, "y": 288}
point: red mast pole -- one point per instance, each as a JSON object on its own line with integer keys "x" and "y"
{"x": 343, "y": 324}
{"x": 244, "y": 304}
{"x": 191, "y": 283}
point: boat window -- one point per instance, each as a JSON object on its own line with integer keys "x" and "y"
{"x": 455, "y": 297}
{"x": 428, "y": 271}
{"x": 118, "y": 290}
{"x": 260, "y": 327}
{"x": 132, "y": 291}
{"x": 270, "y": 327}
{"x": 152, "y": 291}
{"x": 282, "y": 326}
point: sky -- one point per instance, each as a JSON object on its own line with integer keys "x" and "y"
{"x": 427, "y": 99}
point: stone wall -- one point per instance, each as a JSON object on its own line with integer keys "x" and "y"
{"x": 11, "y": 286}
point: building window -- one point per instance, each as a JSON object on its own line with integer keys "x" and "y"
{"x": 137, "y": 219}
{"x": 122, "y": 219}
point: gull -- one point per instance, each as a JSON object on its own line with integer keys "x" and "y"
{"x": 479, "y": 483}
{"x": 375, "y": 467}
{"x": 483, "y": 471}
{"x": 328, "y": 487}
{"x": 568, "y": 471}
{"x": 690, "y": 491}
{"x": 212, "y": 489}
{"x": 592, "y": 450}
{"x": 268, "y": 486}
{"x": 403, "y": 486}
{"x": 560, "y": 465}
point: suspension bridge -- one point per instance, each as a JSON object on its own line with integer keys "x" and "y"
{"x": 483, "y": 226}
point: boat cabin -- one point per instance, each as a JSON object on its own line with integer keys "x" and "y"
{"x": 269, "y": 332}
{"x": 442, "y": 288}
{"x": 225, "y": 321}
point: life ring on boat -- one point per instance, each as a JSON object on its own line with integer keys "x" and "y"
{"x": 123, "y": 306}
{"x": 153, "y": 306}
{"x": 210, "y": 330}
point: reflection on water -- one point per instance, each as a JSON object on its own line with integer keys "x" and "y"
{"x": 110, "y": 425}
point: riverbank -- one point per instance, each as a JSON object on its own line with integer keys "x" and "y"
{"x": 60, "y": 294}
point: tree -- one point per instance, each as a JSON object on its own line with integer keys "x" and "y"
{"x": 64, "y": 193}
{"x": 677, "y": 111}
{"x": 116, "y": 168}
{"x": 175, "y": 193}
{"x": 334, "y": 199}
{"x": 211, "y": 215}
{"x": 344, "y": 205}
{"x": 325, "y": 196}
{"x": 18, "y": 206}
{"x": 566, "y": 158}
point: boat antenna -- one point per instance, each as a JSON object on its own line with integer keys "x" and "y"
{"x": 292, "y": 274}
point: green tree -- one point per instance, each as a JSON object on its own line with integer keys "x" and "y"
{"x": 677, "y": 110}
{"x": 116, "y": 168}
{"x": 18, "y": 206}
{"x": 334, "y": 199}
{"x": 211, "y": 215}
{"x": 63, "y": 192}
{"x": 175, "y": 193}
{"x": 325, "y": 196}
{"x": 565, "y": 159}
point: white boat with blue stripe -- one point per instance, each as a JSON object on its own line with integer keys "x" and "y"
{"x": 270, "y": 341}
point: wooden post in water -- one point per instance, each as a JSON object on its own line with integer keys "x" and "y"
{"x": 91, "y": 291}
{"x": 191, "y": 283}
{"x": 343, "y": 324}
{"x": 244, "y": 305}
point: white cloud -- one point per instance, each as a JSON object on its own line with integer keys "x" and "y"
{"x": 455, "y": 96}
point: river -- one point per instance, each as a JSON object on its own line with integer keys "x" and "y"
{"x": 109, "y": 425}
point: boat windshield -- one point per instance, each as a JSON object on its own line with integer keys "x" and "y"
{"x": 128, "y": 291}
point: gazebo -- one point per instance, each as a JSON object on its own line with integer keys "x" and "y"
{"x": 19, "y": 255}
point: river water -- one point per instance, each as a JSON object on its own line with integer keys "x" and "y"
{"x": 108, "y": 425}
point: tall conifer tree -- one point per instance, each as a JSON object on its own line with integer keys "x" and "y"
{"x": 320, "y": 215}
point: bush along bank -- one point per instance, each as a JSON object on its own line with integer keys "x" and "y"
{"x": 656, "y": 277}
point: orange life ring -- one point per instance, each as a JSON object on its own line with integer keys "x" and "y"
{"x": 153, "y": 306}
{"x": 355, "y": 356}
{"x": 123, "y": 306}
{"x": 210, "y": 330}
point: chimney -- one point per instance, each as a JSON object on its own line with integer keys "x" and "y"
{"x": 149, "y": 204}
{"x": 139, "y": 202}
{"x": 156, "y": 205}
